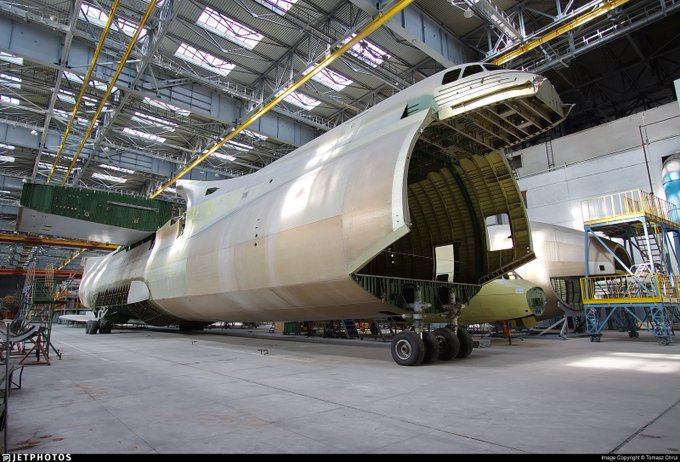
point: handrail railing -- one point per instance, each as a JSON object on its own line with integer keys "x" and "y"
{"x": 626, "y": 204}
{"x": 650, "y": 287}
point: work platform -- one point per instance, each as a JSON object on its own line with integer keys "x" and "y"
{"x": 648, "y": 293}
{"x": 91, "y": 215}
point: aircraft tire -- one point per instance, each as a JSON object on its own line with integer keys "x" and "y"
{"x": 431, "y": 348}
{"x": 192, "y": 327}
{"x": 105, "y": 326}
{"x": 466, "y": 343}
{"x": 449, "y": 345}
{"x": 407, "y": 349}
{"x": 92, "y": 326}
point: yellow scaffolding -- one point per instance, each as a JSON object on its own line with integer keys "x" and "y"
{"x": 649, "y": 292}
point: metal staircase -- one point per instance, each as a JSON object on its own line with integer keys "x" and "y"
{"x": 652, "y": 249}
{"x": 32, "y": 325}
{"x": 648, "y": 294}
{"x": 350, "y": 328}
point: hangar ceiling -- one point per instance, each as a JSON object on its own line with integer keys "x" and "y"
{"x": 199, "y": 68}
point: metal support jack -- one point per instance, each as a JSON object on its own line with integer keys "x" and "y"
{"x": 563, "y": 330}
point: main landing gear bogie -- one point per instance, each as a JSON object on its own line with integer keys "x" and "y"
{"x": 410, "y": 349}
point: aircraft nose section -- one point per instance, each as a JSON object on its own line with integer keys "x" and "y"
{"x": 536, "y": 300}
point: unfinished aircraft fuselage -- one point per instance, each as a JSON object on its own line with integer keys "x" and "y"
{"x": 328, "y": 231}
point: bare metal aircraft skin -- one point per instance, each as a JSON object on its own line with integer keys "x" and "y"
{"x": 560, "y": 263}
{"x": 373, "y": 196}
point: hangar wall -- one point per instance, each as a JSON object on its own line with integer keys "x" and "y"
{"x": 601, "y": 160}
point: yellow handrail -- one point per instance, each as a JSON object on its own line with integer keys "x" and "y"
{"x": 629, "y": 288}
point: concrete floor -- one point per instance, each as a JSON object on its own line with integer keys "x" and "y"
{"x": 144, "y": 391}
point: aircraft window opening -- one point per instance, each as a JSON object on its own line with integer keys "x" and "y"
{"x": 498, "y": 241}
{"x": 444, "y": 263}
{"x": 470, "y": 70}
{"x": 493, "y": 67}
{"x": 181, "y": 226}
{"x": 451, "y": 76}
{"x": 209, "y": 191}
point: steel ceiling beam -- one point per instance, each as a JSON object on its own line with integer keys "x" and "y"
{"x": 374, "y": 25}
{"x": 109, "y": 88}
{"x": 66, "y": 48}
{"x": 167, "y": 14}
{"x": 27, "y": 240}
{"x": 602, "y": 8}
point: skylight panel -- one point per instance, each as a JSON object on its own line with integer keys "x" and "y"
{"x": 117, "y": 169}
{"x": 154, "y": 121}
{"x": 224, "y": 26}
{"x": 93, "y": 83}
{"x": 252, "y": 134}
{"x": 9, "y": 100}
{"x": 7, "y": 146}
{"x": 223, "y": 156}
{"x": 60, "y": 114}
{"x": 144, "y": 135}
{"x": 330, "y": 78}
{"x": 129, "y": 28}
{"x": 239, "y": 146}
{"x": 47, "y": 166}
{"x": 70, "y": 98}
{"x": 6, "y": 159}
{"x": 367, "y": 52}
{"x": 167, "y": 106}
{"x": 277, "y": 6}
{"x": 104, "y": 176}
{"x": 51, "y": 154}
{"x": 99, "y": 18}
{"x": 66, "y": 96}
{"x": 10, "y": 58}
{"x": 11, "y": 81}
{"x": 301, "y": 100}
{"x": 204, "y": 59}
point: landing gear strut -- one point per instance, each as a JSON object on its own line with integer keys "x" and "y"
{"x": 415, "y": 347}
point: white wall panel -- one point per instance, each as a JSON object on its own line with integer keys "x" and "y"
{"x": 598, "y": 161}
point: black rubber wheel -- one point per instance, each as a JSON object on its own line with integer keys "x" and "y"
{"x": 105, "y": 326}
{"x": 407, "y": 349}
{"x": 192, "y": 326}
{"x": 431, "y": 348}
{"x": 466, "y": 343}
{"x": 448, "y": 343}
{"x": 92, "y": 326}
